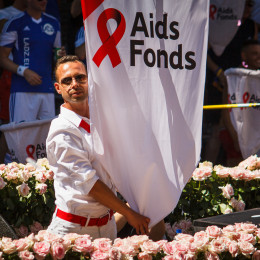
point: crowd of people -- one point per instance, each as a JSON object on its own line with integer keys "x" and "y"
{"x": 31, "y": 42}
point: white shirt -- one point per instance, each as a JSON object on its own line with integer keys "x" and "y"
{"x": 70, "y": 153}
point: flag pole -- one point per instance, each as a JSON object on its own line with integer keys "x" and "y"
{"x": 225, "y": 106}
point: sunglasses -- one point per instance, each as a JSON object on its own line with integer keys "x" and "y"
{"x": 81, "y": 79}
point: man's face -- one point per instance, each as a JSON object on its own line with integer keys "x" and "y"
{"x": 251, "y": 56}
{"x": 37, "y": 5}
{"x": 72, "y": 82}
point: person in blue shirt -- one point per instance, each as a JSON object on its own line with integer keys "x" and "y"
{"x": 31, "y": 37}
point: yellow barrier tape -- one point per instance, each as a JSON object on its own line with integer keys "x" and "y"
{"x": 225, "y": 106}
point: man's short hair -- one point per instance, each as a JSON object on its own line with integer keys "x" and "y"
{"x": 248, "y": 43}
{"x": 65, "y": 59}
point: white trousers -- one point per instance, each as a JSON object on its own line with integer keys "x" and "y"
{"x": 61, "y": 227}
{"x": 31, "y": 106}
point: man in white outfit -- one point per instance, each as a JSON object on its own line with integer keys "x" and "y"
{"x": 85, "y": 195}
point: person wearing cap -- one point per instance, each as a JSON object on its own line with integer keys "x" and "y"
{"x": 85, "y": 196}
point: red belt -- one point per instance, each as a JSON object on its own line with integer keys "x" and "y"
{"x": 83, "y": 220}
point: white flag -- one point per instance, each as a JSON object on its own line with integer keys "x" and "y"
{"x": 243, "y": 87}
{"x": 224, "y": 20}
{"x": 146, "y": 62}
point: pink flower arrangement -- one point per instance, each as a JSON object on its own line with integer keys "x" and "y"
{"x": 232, "y": 241}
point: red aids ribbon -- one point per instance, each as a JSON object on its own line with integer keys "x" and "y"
{"x": 30, "y": 149}
{"x": 246, "y": 97}
{"x": 109, "y": 41}
{"x": 212, "y": 11}
{"x": 89, "y": 6}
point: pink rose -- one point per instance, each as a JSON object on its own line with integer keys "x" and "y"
{"x": 201, "y": 239}
{"x": 217, "y": 246}
{"x": 83, "y": 245}
{"x": 181, "y": 246}
{"x": 57, "y": 250}
{"x": 71, "y": 236}
{"x": 246, "y": 248}
{"x": 23, "y": 189}
{"x": 144, "y": 256}
{"x": 250, "y": 163}
{"x": 227, "y": 191}
{"x": 233, "y": 249}
{"x": 137, "y": 240}
{"x": 50, "y": 175}
{"x": 244, "y": 237}
{"x": 36, "y": 227}
{"x": 211, "y": 256}
{"x": 150, "y": 247}
{"x": 127, "y": 249}
{"x": 42, "y": 249}
{"x": 22, "y": 244}
{"x": 2, "y": 167}
{"x": 256, "y": 255}
{"x": 40, "y": 176}
{"x": 222, "y": 172}
{"x": 213, "y": 231}
{"x": 184, "y": 237}
{"x": 102, "y": 244}
{"x": 249, "y": 227}
{"x": 26, "y": 255}
{"x": 240, "y": 206}
{"x": 169, "y": 248}
{"x": 98, "y": 255}
{"x": 8, "y": 247}
{"x": 41, "y": 187}
{"x": 201, "y": 174}
{"x": 2, "y": 183}
{"x": 22, "y": 231}
{"x": 161, "y": 243}
{"x": 237, "y": 173}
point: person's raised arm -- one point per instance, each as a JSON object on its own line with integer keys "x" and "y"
{"x": 101, "y": 193}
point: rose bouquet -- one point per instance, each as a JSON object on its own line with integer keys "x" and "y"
{"x": 215, "y": 190}
{"x": 239, "y": 241}
{"x": 27, "y": 195}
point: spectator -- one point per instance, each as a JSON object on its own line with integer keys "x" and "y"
{"x": 31, "y": 38}
{"x": 216, "y": 81}
{"x": 250, "y": 56}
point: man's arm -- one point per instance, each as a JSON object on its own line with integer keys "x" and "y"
{"x": 101, "y": 193}
{"x": 31, "y": 77}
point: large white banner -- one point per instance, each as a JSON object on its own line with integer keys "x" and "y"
{"x": 146, "y": 62}
{"x": 224, "y": 20}
{"x": 243, "y": 87}
{"x": 26, "y": 139}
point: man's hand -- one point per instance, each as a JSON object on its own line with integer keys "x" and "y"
{"x": 32, "y": 77}
{"x": 139, "y": 222}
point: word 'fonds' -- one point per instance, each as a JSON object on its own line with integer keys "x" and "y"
{"x": 159, "y": 57}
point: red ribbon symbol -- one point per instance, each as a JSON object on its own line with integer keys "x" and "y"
{"x": 30, "y": 150}
{"x": 109, "y": 41}
{"x": 246, "y": 97}
{"x": 212, "y": 11}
